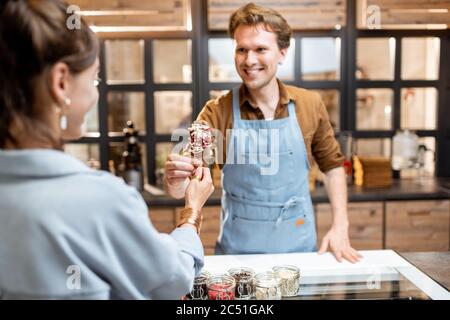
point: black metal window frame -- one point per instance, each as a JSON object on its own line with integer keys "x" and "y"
{"x": 346, "y": 85}
{"x": 397, "y": 84}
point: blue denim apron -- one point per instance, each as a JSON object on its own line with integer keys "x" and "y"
{"x": 266, "y": 213}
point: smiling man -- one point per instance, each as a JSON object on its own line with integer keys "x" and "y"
{"x": 270, "y": 213}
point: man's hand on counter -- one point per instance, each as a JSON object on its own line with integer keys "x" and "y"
{"x": 338, "y": 242}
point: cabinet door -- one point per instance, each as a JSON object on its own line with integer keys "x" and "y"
{"x": 163, "y": 219}
{"x": 210, "y": 227}
{"x": 366, "y": 224}
{"x": 418, "y": 225}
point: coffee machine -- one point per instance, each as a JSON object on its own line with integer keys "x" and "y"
{"x": 408, "y": 153}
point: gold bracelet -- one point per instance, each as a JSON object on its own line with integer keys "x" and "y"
{"x": 191, "y": 216}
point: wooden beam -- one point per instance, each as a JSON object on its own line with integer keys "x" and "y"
{"x": 390, "y": 17}
{"x": 407, "y": 14}
{"x": 168, "y": 14}
{"x": 410, "y": 4}
{"x": 300, "y": 14}
{"x": 166, "y": 5}
{"x": 136, "y": 20}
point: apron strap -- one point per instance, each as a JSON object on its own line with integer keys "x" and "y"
{"x": 236, "y": 106}
{"x": 292, "y": 115}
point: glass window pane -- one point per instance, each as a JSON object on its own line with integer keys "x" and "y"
{"x": 124, "y": 106}
{"x": 286, "y": 69}
{"x": 88, "y": 153}
{"x": 222, "y": 67}
{"x": 115, "y": 158}
{"x": 173, "y": 109}
{"x": 374, "y": 109}
{"x": 162, "y": 151}
{"x": 172, "y": 61}
{"x": 90, "y": 124}
{"x": 221, "y": 61}
{"x": 321, "y": 58}
{"x": 375, "y": 58}
{"x": 331, "y": 100}
{"x": 124, "y": 61}
{"x": 418, "y": 108}
{"x": 420, "y": 58}
{"x": 374, "y": 147}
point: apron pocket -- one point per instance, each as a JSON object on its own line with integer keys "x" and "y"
{"x": 295, "y": 234}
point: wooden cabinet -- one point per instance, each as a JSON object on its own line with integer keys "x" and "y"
{"x": 409, "y": 225}
{"x": 418, "y": 225}
{"x": 366, "y": 224}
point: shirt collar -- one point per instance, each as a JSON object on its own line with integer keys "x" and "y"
{"x": 39, "y": 163}
{"x": 285, "y": 95}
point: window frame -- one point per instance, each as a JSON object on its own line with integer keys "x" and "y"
{"x": 346, "y": 85}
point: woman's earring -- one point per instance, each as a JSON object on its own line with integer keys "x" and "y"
{"x": 63, "y": 120}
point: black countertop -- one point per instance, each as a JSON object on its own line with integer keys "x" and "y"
{"x": 430, "y": 189}
{"x": 434, "y": 264}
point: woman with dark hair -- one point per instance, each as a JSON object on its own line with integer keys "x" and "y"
{"x": 68, "y": 231}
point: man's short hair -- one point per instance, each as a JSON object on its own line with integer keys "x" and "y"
{"x": 251, "y": 15}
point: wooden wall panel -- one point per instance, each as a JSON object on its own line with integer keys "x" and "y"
{"x": 300, "y": 14}
{"x": 406, "y": 14}
{"x": 410, "y": 4}
{"x": 137, "y": 13}
{"x": 156, "y": 6}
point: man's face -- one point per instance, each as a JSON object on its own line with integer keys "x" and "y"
{"x": 256, "y": 55}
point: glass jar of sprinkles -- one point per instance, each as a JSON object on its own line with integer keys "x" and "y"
{"x": 290, "y": 279}
{"x": 200, "y": 289}
{"x": 267, "y": 286}
{"x": 221, "y": 287}
{"x": 244, "y": 278}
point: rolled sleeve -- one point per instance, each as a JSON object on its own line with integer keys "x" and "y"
{"x": 325, "y": 148}
{"x": 191, "y": 245}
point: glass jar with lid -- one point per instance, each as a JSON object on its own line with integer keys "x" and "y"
{"x": 221, "y": 287}
{"x": 200, "y": 290}
{"x": 290, "y": 279}
{"x": 267, "y": 286}
{"x": 244, "y": 278}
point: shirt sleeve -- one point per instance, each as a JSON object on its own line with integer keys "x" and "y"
{"x": 209, "y": 113}
{"x": 325, "y": 148}
{"x": 140, "y": 263}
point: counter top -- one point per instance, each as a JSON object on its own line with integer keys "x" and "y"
{"x": 430, "y": 189}
{"x": 379, "y": 274}
{"x": 435, "y": 264}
